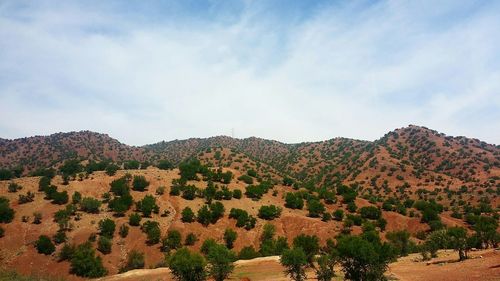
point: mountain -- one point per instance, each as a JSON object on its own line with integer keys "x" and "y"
{"x": 415, "y": 156}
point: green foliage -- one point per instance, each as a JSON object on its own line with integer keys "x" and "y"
{"x": 44, "y": 245}
{"x": 165, "y": 165}
{"x": 270, "y": 212}
{"x": 229, "y": 237}
{"x": 243, "y": 219}
{"x": 190, "y": 168}
{"x": 315, "y": 208}
{"x": 207, "y": 245}
{"x": 123, "y": 230}
{"x": 246, "y": 179}
{"x": 338, "y": 215}
{"x": 6, "y": 213}
{"x": 29, "y": 197}
{"x": 189, "y": 192}
{"x": 111, "y": 169}
{"x": 14, "y": 187}
{"x": 135, "y": 260}
{"x": 309, "y": 244}
{"x": 210, "y": 213}
{"x": 60, "y": 198}
{"x": 220, "y": 262}
{"x": 191, "y": 239}
{"x": 71, "y": 167}
{"x": 294, "y": 261}
{"x": 485, "y": 228}
{"x": 6, "y": 174}
{"x": 257, "y": 191}
{"x": 85, "y": 263}
{"x": 237, "y": 194}
{"x": 400, "y": 241}
{"x": 187, "y": 266}
{"x": 104, "y": 244}
{"x": 187, "y": 215}
{"x": 294, "y": 200}
{"x": 107, "y": 228}
{"x": 134, "y": 219}
{"x": 248, "y": 253}
{"x": 457, "y": 239}
{"x": 172, "y": 241}
{"x": 131, "y": 165}
{"x": 362, "y": 259}
{"x": 90, "y": 205}
{"x": 147, "y": 205}
{"x": 370, "y": 212}
{"x": 153, "y": 232}
{"x": 76, "y": 197}
{"x": 139, "y": 183}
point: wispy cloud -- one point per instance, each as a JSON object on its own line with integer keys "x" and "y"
{"x": 148, "y": 72}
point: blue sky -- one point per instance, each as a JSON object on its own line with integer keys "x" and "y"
{"x": 145, "y": 71}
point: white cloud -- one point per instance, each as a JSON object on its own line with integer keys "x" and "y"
{"x": 343, "y": 71}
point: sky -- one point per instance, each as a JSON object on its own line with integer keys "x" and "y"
{"x": 292, "y": 71}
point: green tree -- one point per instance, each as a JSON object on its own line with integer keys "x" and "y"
{"x": 400, "y": 240}
{"x": 269, "y": 212}
{"x": 153, "y": 232}
{"x": 229, "y": 237}
{"x": 123, "y": 230}
{"x": 485, "y": 228}
{"x": 220, "y": 262}
{"x": 362, "y": 259}
{"x": 44, "y": 245}
{"x": 85, "y": 263}
{"x": 90, "y": 205}
{"x": 325, "y": 270}
{"x": 107, "y": 228}
{"x": 187, "y": 266}
{"x": 370, "y": 212}
{"x": 309, "y": 244}
{"x": 458, "y": 241}
{"x": 294, "y": 261}
{"x": 148, "y": 205}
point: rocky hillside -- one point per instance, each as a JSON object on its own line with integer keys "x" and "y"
{"x": 411, "y": 156}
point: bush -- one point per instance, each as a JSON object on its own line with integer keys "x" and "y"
{"x": 269, "y": 212}
{"x": 131, "y": 165}
{"x": 67, "y": 252}
{"x": 400, "y": 241}
{"x": 123, "y": 230}
{"x": 229, "y": 237}
{"x": 248, "y": 253}
{"x": 294, "y": 201}
{"x": 90, "y": 205}
{"x": 338, "y": 215}
{"x": 135, "y": 260}
{"x": 139, "y": 183}
{"x": 147, "y": 205}
{"x": 29, "y": 197}
{"x": 111, "y": 169}
{"x": 189, "y": 192}
{"x": 190, "y": 239}
{"x": 104, "y": 245}
{"x": 37, "y": 218}
{"x": 134, "y": 219}
{"x": 2, "y": 232}
{"x": 14, "y": 187}
{"x": 76, "y": 197}
{"x": 165, "y": 165}
{"x": 71, "y": 167}
{"x": 44, "y": 245}
{"x": 187, "y": 215}
{"x": 370, "y": 212}
{"x": 107, "y": 228}
{"x": 315, "y": 208}
{"x": 246, "y": 179}
{"x": 85, "y": 263}
{"x": 6, "y": 213}
{"x": 237, "y": 194}
{"x": 185, "y": 265}
{"x": 153, "y": 232}
{"x": 242, "y": 218}
{"x": 172, "y": 241}
{"x": 60, "y": 198}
